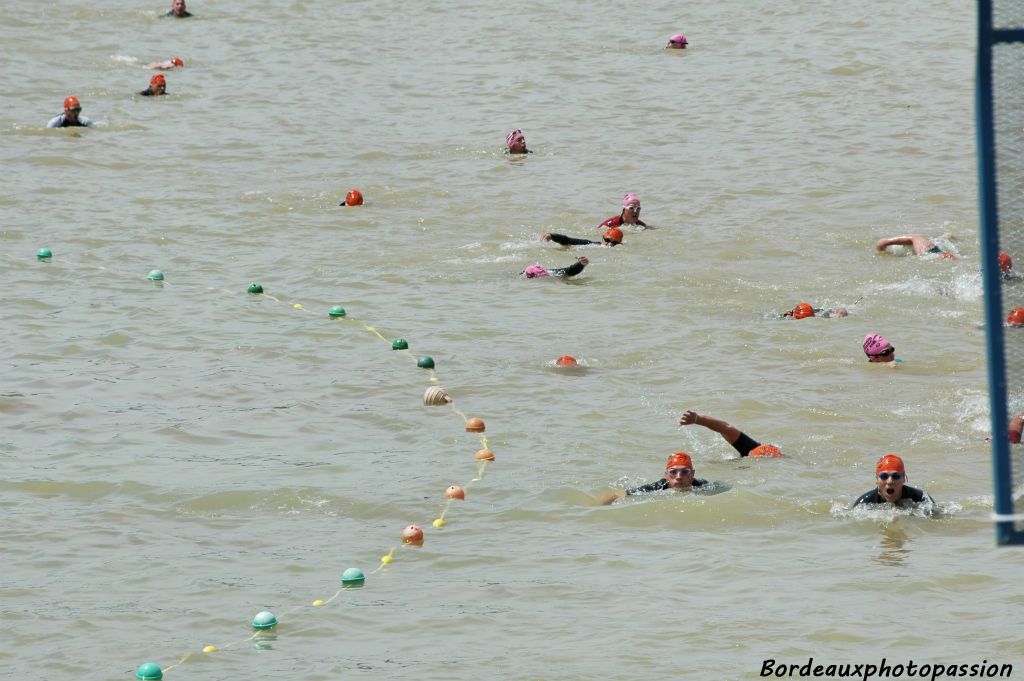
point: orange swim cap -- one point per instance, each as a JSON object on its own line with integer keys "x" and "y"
{"x": 890, "y": 463}
{"x": 72, "y": 103}
{"x": 803, "y": 310}
{"x": 158, "y": 78}
{"x": 354, "y": 198}
{"x": 177, "y": 61}
{"x": 614, "y": 234}
{"x": 766, "y": 451}
{"x": 679, "y": 460}
{"x": 1005, "y": 262}
{"x": 1016, "y": 317}
{"x": 566, "y": 361}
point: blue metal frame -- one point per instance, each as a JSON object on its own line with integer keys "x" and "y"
{"x": 988, "y": 36}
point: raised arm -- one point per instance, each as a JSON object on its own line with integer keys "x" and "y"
{"x": 727, "y": 431}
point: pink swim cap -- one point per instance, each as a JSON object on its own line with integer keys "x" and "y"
{"x": 535, "y": 271}
{"x": 513, "y": 136}
{"x": 678, "y": 39}
{"x": 630, "y": 200}
{"x": 875, "y": 345}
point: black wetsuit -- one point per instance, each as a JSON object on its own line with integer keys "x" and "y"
{"x": 570, "y": 271}
{"x": 571, "y": 240}
{"x": 909, "y": 493}
{"x": 660, "y": 485}
{"x": 744, "y": 443}
{"x": 148, "y": 92}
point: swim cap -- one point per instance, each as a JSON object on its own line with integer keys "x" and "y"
{"x": 535, "y": 271}
{"x": 1016, "y": 317}
{"x": 158, "y": 78}
{"x": 513, "y": 136}
{"x": 72, "y": 103}
{"x": 875, "y": 345}
{"x": 177, "y": 61}
{"x": 890, "y": 463}
{"x": 566, "y": 361}
{"x": 766, "y": 451}
{"x": 678, "y": 39}
{"x": 614, "y": 235}
{"x": 803, "y": 310}
{"x": 679, "y": 459}
{"x": 630, "y": 200}
{"x": 354, "y": 198}
{"x": 1005, "y": 262}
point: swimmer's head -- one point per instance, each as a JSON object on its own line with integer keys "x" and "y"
{"x": 878, "y": 349}
{"x": 679, "y": 471}
{"x": 354, "y": 198}
{"x": 677, "y": 42}
{"x": 177, "y": 61}
{"x": 765, "y": 451}
{"x": 516, "y": 141}
{"x": 1005, "y": 262}
{"x": 631, "y": 200}
{"x": 612, "y": 237}
{"x": 890, "y": 476}
{"x": 566, "y": 361}
{"x": 158, "y": 79}
{"x": 1016, "y": 317}
{"x": 535, "y": 271}
{"x": 72, "y": 104}
{"x": 803, "y": 310}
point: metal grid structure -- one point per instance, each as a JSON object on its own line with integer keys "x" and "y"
{"x": 1000, "y": 130}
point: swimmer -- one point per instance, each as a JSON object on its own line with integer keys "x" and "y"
{"x": 677, "y": 42}
{"x": 534, "y": 271}
{"x": 516, "y": 142}
{"x": 740, "y": 441}
{"x": 1016, "y": 429}
{"x": 612, "y": 237}
{"x": 178, "y": 9}
{"x": 804, "y": 310}
{"x": 1006, "y": 268}
{"x": 1016, "y": 317}
{"x": 891, "y": 487}
{"x": 878, "y": 349}
{"x": 679, "y": 474}
{"x": 920, "y": 244}
{"x": 353, "y": 198}
{"x": 172, "y": 63}
{"x": 71, "y": 117}
{"x": 630, "y": 214}
{"x": 157, "y": 86}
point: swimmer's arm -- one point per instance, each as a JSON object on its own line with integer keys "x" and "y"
{"x": 727, "y": 431}
{"x": 564, "y": 240}
{"x": 610, "y": 497}
{"x": 905, "y": 240}
{"x": 573, "y": 269}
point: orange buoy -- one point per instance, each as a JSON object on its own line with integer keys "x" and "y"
{"x": 412, "y": 535}
{"x": 485, "y": 455}
{"x": 455, "y": 492}
{"x": 475, "y": 425}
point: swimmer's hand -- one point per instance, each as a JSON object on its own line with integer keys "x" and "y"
{"x": 583, "y": 259}
{"x": 545, "y": 237}
{"x": 688, "y": 418}
{"x": 840, "y": 312}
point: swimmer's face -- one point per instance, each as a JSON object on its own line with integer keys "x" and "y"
{"x": 158, "y": 88}
{"x": 887, "y": 356}
{"x": 630, "y": 214}
{"x": 890, "y": 488}
{"x": 679, "y": 478}
{"x": 178, "y": 7}
{"x": 72, "y": 114}
{"x": 519, "y": 146}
